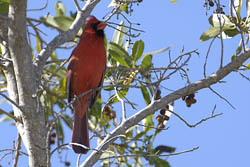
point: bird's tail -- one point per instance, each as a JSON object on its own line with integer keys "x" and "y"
{"x": 80, "y": 130}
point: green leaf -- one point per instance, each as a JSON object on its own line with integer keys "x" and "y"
{"x": 63, "y": 22}
{"x": 233, "y": 57}
{"x": 38, "y": 45}
{"x": 159, "y": 51}
{"x": 125, "y": 8}
{"x": 239, "y": 49}
{"x": 248, "y": 7}
{"x": 7, "y": 1}
{"x": 248, "y": 67}
{"x": 231, "y": 32}
{"x": 210, "y": 33}
{"x": 139, "y": 135}
{"x": 226, "y": 23}
{"x": 6, "y": 117}
{"x": 122, "y": 93}
{"x": 137, "y": 51}
{"x": 145, "y": 94}
{"x": 67, "y": 120}
{"x": 116, "y": 56}
{"x": 149, "y": 123}
{"x": 174, "y": 1}
{"x": 158, "y": 162}
{"x": 60, "y": 9}
{"x": 237, "y": 5}
{"x": 146, "y": 61}
{"x": 4, "y": 7}
{"x": 119, "y": 54}
{"x": 59, "y": 22}
{"x": 60, "y": 131}
{"x": 113, "y": 4}
{"x": 126, "y": 45}
{"x": 118, "y": 36}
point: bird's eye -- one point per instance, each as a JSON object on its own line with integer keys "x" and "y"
{"x": 94, "y": 25}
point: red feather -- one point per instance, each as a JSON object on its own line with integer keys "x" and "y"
{"x": 85, "y": 72}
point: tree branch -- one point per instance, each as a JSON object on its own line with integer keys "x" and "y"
{"x": 11, "y": 116}
{"x": 158, "y": 104}
{"x": 152, "y": 155}
{"x": 17, "y": 149}
{"x": 4, "y": 22}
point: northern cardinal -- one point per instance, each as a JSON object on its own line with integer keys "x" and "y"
{"x": 85, "y": 72}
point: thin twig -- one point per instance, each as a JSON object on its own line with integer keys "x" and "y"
{"x": 126, "y": 26}
{"x": 223, "y": 98}
{"x": 196, "y": 124}
{"x": 123, "y": 105}
{"x": 247, "y": 78}
{"x": 17, "y": 149}
{"x": 11, "y": 116}
{"x": 44, "y": 7}
{"x": 221, "y": 31}
{"x": 61, "y": 146}
{"x": 128, "y": 34}
{"x": 78, "y": 160}
{"x": 113, "y": 12}
{"x": 205, "y": 63}
{"x": 24, "y": 153}
{"x": 238, "y": 24}
{"x": 151, "y": 155}
{"x": 77, "y": 5}
{"x": 11, "y": 101}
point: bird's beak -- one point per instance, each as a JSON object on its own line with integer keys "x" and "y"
{"x": 101, "y": 26}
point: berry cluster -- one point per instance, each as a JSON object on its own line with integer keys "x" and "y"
{"x": 158, "y": 94}
{"x": 211, "y": 3}
{"x": 189, "y": 99}
{"x": 161, "y": 118}
{"x": 52, "y": 138}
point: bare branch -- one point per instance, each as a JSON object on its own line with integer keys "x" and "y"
{"x": 113, "y": 12}
{"x": 205, "y": 63}
{"x": 17, "y": 149}
{"x": 126, "y": 26}
{"x": 158, "y": 104}
{"x": 11, "y": 116}
{"x": 219, "y": 16}
{"x": 123, "y": 104}
{"x": 44, "y": 7}
{"x": 152, "y": 155}
{"x": 223, "y": 98}
{"x": 77, "y": 5}
{"x": 196, "y": 124}
{"x": 245, "y": 77}
{"x": 12, "y": 102}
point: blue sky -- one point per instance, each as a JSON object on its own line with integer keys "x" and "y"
{"x": 223, "y": 141}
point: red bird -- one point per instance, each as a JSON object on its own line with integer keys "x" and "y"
{"x": 85, "y": 71}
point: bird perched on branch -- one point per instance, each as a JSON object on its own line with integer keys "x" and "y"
{"x": 84, "y": 75}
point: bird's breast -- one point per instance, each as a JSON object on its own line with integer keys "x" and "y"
{"x": 89, "y": 65}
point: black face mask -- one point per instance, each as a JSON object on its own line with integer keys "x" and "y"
{"x": 99, "y": 33}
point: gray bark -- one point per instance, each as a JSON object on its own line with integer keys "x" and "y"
{"x": 32, "y": 129}
{"x": 24, "y": 76}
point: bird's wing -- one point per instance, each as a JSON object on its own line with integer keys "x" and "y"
{"x": 96, "y": 93}
{"x": 69, "y": 80}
